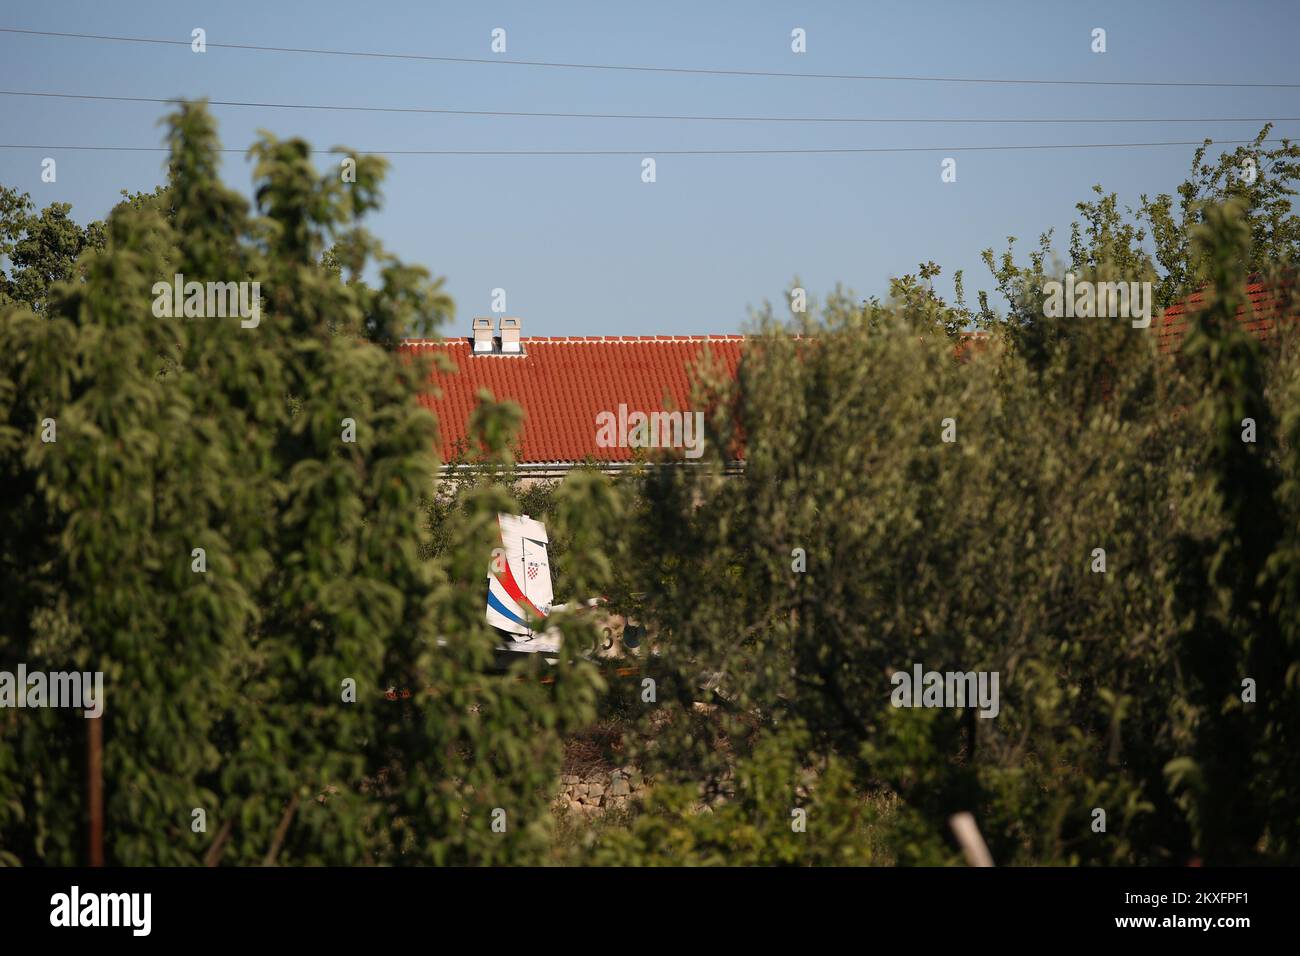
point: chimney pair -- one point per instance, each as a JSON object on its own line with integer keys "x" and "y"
{"x": 486, "y": 344}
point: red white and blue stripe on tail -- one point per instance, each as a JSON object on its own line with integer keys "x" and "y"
{"x": 519, "y": 584}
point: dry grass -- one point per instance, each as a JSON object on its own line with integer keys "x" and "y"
{"x": 598, "y": 749}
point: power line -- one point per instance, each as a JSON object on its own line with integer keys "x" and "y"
{"x": 757, "y": 151}
{"x": 650, "y": 69}
{"x": 648, "y": 116}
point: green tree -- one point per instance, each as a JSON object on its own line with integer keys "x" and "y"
{"x": 1232, "y": 631}
{"x": 41, "y": 249}
{"x": 1095, "y": 533}
{"x": 248, "y": 679}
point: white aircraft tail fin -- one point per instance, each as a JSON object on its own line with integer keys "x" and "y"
{"x": 519, "y": 594}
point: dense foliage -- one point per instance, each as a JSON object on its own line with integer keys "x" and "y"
{"x": 244, "y": 528}
{"x": 903, "y": 505}
{"x": 248, "y": 680}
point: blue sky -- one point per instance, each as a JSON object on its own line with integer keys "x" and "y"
{"x": 580, "y": 244}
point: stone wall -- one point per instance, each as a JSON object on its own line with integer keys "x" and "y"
{"x": 596, "y": 792}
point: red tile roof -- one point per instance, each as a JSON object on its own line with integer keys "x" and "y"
{"x": 564, "y": 383}
{"x": 970, "y": 344}
{"x": 1264, "y": 307}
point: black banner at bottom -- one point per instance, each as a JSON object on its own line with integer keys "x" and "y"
{"x": 381, "y": 907}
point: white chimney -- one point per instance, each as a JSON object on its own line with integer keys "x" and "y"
{"x": 510, "y": 335}
{"x": 483, "y": 335}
